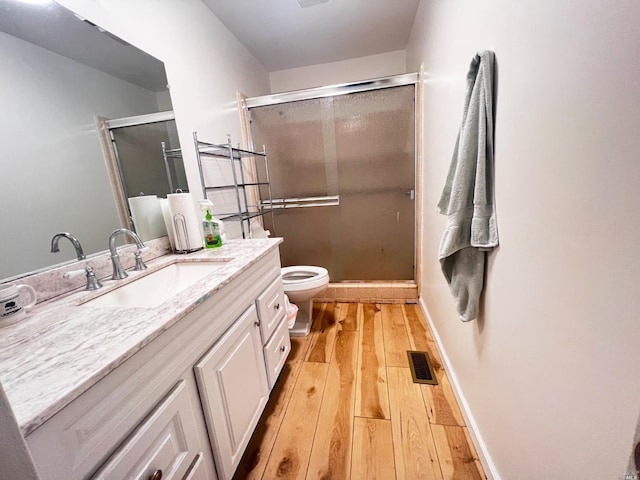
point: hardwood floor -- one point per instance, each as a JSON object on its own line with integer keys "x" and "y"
{"x": 345, "y": 405}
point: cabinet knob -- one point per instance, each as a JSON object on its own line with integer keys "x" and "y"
{"x": 157, "y": 475}
{"x": 277, "y": 306}
{"x": 283, "y": 348}
{"x": 257, "y": 323}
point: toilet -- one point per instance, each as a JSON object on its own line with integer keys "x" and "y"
{"x": 302, "y": 284}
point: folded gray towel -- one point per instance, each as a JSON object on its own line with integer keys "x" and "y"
{"x": 467, "y": 198}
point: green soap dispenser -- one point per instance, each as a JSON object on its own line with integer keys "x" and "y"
{"x": 211, "y": 229}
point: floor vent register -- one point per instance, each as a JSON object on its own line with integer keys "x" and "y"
{"x": 421, "y": 368}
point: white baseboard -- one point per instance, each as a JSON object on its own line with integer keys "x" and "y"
{"x": 481, "y": 447}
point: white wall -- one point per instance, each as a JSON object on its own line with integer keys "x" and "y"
{"x": 205, "y": 64}
{"x": 362, "y": 68}
{"x": 550, "y": 371}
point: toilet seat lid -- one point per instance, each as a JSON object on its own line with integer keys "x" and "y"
{"x": 301, "y": 274}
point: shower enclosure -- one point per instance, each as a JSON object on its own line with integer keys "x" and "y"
{"x": 353, "y": 143}
{"x": 140, "y": 157}
{"x": 139, "y": 152}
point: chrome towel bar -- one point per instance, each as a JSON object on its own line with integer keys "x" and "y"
{"x": 303, "y": 202}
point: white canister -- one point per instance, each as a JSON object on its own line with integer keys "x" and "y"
{"x": 147, "y": 217}
{"x": 12, "y": 306}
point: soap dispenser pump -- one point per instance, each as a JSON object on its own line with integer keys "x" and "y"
{"x": 211, "y": 230}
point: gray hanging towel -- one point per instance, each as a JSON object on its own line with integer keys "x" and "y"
{"x": 468, "y": 195}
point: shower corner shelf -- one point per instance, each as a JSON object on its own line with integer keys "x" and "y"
{"x": 251, "y": 191}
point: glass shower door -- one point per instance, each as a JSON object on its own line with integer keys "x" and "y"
{"x": 141, "y": 162}
{"x": 360, "y": 146}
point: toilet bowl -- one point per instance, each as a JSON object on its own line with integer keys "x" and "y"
{"x": 302, "y": 284}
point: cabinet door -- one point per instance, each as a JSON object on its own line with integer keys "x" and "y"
{"x": 164, "y": 445}
{"x": 233, "y": 389}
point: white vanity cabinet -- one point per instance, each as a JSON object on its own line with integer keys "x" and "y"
{"x": 236, "y": 375}
{"x": 165, "y": 446}
{"x": 188, "y": 400}
{"x": 233, "y": 388}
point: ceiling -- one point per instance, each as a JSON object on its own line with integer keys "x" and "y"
{"x": 57, "y": 29}
{"x": 283, "y": 35}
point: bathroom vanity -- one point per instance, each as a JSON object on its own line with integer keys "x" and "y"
{"x": 158, "y": 391}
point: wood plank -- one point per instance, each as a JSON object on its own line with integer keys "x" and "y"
{"x": 299, "y": 348}
{"x": 442, "y": 406}
{"x": 372, "y": 398}
{"x": 417, "y": 327}
{"x": 316, "y": 324}
{"x": 324, "y": 336}
{"x": 331, "y": 452}
{"x": 372, "y": 450}
{"x": 302, "y": 436}
{"x": 290, "y": 455}
{"x": 254, "y": 459}
{"x": 396, "y": 340}
{"x": 349, "y": 315}
{"x": 414, "y": 450}
{"x": 318, "y": 308}
{"x": 458, "y": 458}
{"x": 474, "y": 453}
{"x": 420, "y": 336}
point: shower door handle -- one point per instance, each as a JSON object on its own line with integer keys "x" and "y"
{"x": 412, "y": 194}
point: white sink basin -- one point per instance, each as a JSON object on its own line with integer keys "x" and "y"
{"x": 155, "y": 288}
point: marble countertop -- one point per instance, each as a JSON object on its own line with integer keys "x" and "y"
{"x": 63, "y": 348}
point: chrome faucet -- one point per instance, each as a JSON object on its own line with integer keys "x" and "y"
{"x": 118, "y": 271}
{"x": 76, "y": 244}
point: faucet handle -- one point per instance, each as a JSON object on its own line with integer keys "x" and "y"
{"x": 73, "y": 274}
{"x": 92, "y": 281}
{"x": 140, "y": 265}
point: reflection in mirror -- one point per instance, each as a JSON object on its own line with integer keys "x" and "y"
{"x": 59, "y": 73}
{"x": 143, "y": 157}
{"x": 139, "y": 153}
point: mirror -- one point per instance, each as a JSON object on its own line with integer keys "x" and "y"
{"x": 59, "y": 73}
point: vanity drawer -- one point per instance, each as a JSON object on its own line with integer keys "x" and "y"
{"x": 276, "y": 352}
{"x": 271, "y": 308}
{"x": 166, "y": 442}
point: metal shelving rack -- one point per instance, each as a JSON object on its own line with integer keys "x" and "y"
{"x": 240, "y": 160}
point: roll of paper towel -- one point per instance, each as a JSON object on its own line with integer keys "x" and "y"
{"x": 147, "y": 217}
{"x": 184, "y": 217}
{"x": 164, "y": 204}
